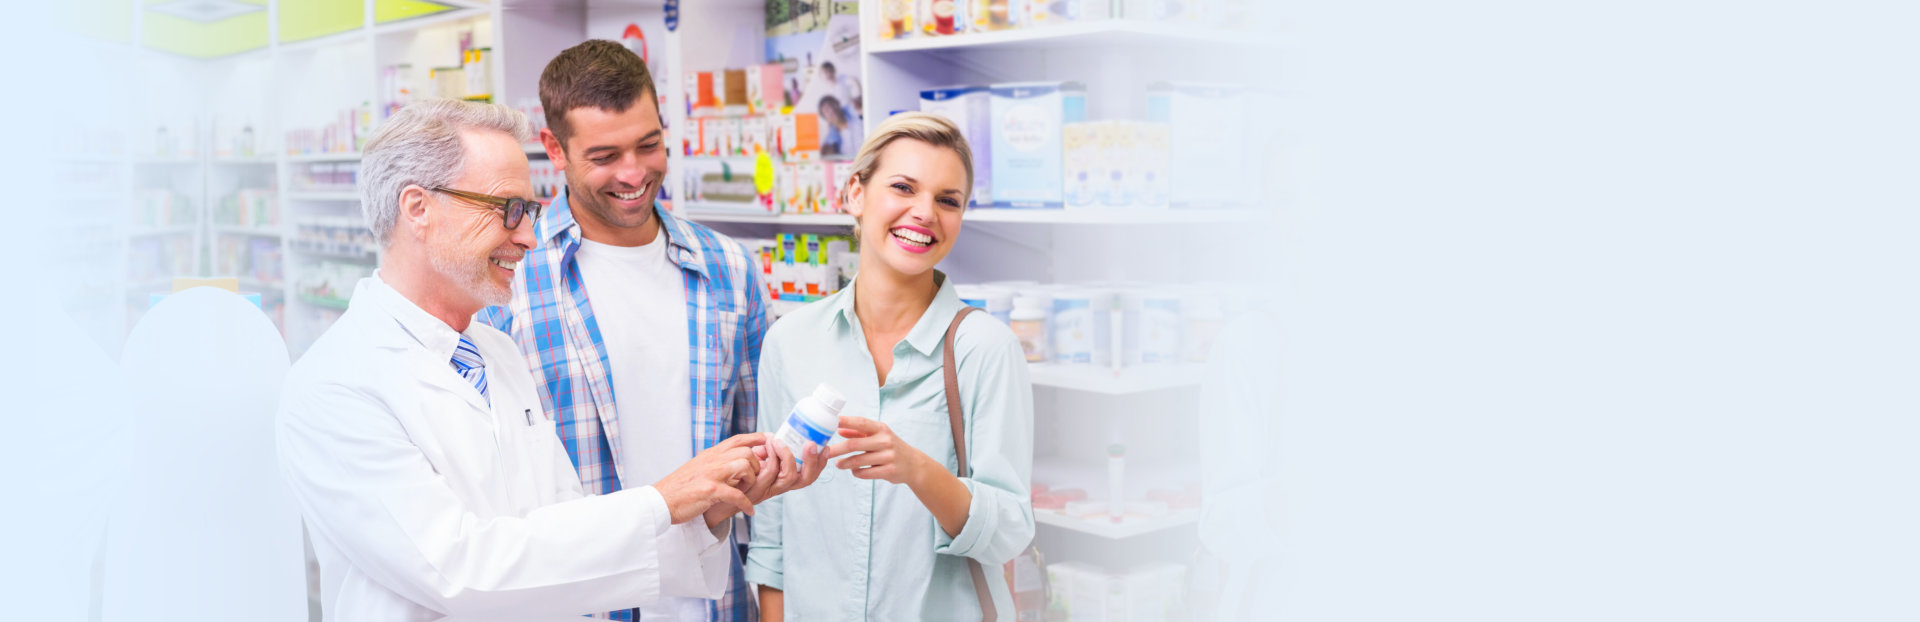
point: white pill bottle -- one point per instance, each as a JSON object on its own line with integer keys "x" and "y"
{"x": 813, "y": 420}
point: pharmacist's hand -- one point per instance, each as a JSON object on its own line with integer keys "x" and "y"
{"x": 713, "y": 477}
{"x": 882, "y": 455}
{"x": 796, "y": 472}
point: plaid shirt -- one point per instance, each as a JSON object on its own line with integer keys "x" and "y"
{"x": 553, "y": 323}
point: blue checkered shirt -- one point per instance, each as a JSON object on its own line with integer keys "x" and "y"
{"x": 553, "y": 322}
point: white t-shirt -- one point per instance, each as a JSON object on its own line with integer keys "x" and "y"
{"x": 640, "y": 302}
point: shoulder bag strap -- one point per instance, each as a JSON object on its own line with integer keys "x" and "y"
{"x": 954, "y": 416}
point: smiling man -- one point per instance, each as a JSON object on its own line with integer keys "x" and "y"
{"x": 424, "y": 465}
{"x": 645, "y": 329}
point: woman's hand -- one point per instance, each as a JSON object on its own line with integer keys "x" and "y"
{"x": 882, "y": 455}
{"x": 889, "y": 458}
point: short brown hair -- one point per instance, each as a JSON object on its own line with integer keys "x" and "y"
{"x": 597, "y": 73}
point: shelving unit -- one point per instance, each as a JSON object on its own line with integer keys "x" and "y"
{"x": 325, "y": 195}
{"x": 1126, "y": 528}
{"x": 1139, "y": 379}
{"x": 311, "y": 81}
{"x": 1081, "y": 409}
{"x": 324, "y": 157}
{"x": 1100, "y": 35}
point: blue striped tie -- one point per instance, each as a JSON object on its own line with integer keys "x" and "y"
{"x": 466, "y": 360}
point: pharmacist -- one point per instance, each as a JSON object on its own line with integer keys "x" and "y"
{"x": 431, "y": 481}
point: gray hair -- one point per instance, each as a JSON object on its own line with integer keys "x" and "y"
{"x": 420, "y": 146}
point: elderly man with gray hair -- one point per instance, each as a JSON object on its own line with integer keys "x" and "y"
{"x": 432, "y": 483}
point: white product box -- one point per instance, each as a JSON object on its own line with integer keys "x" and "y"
{"x": 969, "y": 107}
{"x": 838, "y": 174}
{"x": 1206, "y": 142}
{"x": 719, "y": 180}
{"x": 1151, "y": 166}
{"x": 1027, "y": 125}
{"x": 1081, "y": 142}
{"x": 1049, "y": 12}
{"x": 1203, "y": 12}
{"x": 756, "y": 136}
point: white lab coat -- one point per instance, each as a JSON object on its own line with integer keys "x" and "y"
{"x": 423, "y": 503}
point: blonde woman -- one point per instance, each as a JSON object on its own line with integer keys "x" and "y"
{"x": 887, "y": 531}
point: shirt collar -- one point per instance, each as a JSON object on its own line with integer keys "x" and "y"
{"x": 431, "y": 333}
{"x": 557, "y": 227}
{"x": 932, "y": 327}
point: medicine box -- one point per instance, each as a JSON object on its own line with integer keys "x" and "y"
{"x": 1027, "y": 126}
{"x": 968, "y": 107}
{"x": 716, "y": 180}
{"x": 1205, "y": 141}
{"x": 1082, "y": 151}
{"x": 765, "y": 93}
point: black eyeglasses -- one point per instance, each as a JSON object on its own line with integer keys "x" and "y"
{"x": 515, "y": 207}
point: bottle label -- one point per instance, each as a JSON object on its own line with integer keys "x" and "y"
{"x": 798, "y": 431}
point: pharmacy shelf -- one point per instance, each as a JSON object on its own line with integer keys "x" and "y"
{"x": 1137, "y": 379}
{"x": 264, "y": 288}
{"x": 147, "y": 232}
{"x": 338, "y": 195}
{"x": 324, "y": 157}
{"x": 266, "y": 232}
{"x": 161, "y": 286}
{"x": 1112, "y": 216}
{"x": 243, "y": 161}
{"x": 1126, "y": 528}
{"x": 345, "y": 251}
{"x": 169, "y": 161}
{"x": 330, "y": 303}
{"x": 707, "y": 212}
{"x": 96, "y": 197}
{"x": 1112, "y": 34}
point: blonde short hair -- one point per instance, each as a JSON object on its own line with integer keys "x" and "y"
{"x": 925, "y": 127}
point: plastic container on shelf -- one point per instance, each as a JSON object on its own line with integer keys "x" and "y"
{"x": 1072, "y": 327}
{"x": 1029, "y": 322}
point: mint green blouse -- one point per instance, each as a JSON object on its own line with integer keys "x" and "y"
{"x": 852, "y": 549}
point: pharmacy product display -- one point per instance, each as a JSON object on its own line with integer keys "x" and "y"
{"x": 745, "y": 147}
{"x": 901, "y": 19}
{"x": 346, "y": 133}
{"x": 248, "y": 207}
{"x": 253, "y": 258}
{"x": 470, "y": 78}
{"x": 1080, "y": 591}
{"x": 799, "y": 268}
{"x": 1038, "y": 149}
{"x": 331, "y": 282}
{"x": 161, "y": 207}
{"x": 338, "y": 236}
{"x": 1116, "y": 325}
{"x": 968, "y": 108}
{"x": 325, "y": 177}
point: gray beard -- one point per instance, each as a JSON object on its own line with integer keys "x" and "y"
{"x": 474, "y": 281}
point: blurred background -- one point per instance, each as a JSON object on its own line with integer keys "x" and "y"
{"x": 1479, "y": 310}
{"x": 1127, "y": 157}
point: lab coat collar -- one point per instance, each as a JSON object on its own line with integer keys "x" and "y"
{"x": 428, "y": 332}
{"x": 932, "y": 327}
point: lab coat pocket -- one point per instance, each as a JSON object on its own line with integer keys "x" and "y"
{"x": 533, "y": 446}
{"x": 929, "y": 432}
